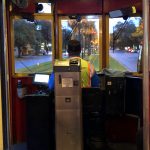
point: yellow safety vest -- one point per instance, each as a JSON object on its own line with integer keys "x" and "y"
{"x": 85, "y": 73}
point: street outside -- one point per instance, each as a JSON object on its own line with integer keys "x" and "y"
{"x": 28, "y": 61}
{"x": 127, "y": 59}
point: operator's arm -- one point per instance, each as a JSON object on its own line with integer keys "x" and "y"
{"x": 51, "y": 82}
{"x": 95, "y": 81}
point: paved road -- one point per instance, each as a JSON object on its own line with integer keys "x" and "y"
{"x": 27, "y": 61}
{"x": 127, "y": 59}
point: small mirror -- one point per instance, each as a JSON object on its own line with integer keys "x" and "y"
{"x": 124, "y": 12}
{"x": 77, "y": 17}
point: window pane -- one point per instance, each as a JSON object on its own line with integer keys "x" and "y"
{"x": 87, "y": 32}
{"x": 125, "y": 43}
{"x": 32, "y": 46}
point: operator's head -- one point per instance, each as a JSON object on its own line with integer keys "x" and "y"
{"x": 74, "y": 48}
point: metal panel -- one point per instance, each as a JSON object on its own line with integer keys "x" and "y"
{"x": 67, "y": 103}
{"x": 68, "y": 130}
{"x": 61, "y": 91}
{"x": 68, "y": 108}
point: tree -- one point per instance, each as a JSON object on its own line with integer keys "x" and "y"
{"x": 125, "y": 37}
{"x": 45, "y": 32}
{"x": 33, "y": 33}
{"x": 138, "y": 34}
{"x": 24, "y": 33}
{"x": 85, "y": 32}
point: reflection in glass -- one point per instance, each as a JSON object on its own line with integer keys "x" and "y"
{"x": 87, "y": 32}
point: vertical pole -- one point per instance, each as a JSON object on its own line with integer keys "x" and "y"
{"x": 56, "y": 30}
{"x": 4, "y": 80}
{"x": 105, "y": 41}
{"x": 146, "y": 119}
{"x": 113, "y": 40}
{"x": 4, "y": 77}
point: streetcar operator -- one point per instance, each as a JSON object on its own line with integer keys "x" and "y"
{"x": 89, "y": 78}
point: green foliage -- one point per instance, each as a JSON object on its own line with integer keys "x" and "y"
{"x": 125, "y": 35}
{"x": 113, "y": 64}
{"x": 125, "y": 38}
{"x": 138, "y": 34}
{"x": 25, "y": 32}
{"x": 45, "y": 30}
{"x": 84, "y": 31}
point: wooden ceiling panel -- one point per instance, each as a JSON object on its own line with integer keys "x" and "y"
{"x": 110, "y": 5}
{"x": 84, "y": 6}
{"x": 79, "y": 6}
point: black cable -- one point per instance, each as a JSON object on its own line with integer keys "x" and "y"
{"x": 25, "y": 66}
{"x": 121, "y": 29}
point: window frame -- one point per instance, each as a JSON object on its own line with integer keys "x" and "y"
{"x": 134, "y": 72}
{"x": 100, "y": 37}
{"x": 40, "y": 16}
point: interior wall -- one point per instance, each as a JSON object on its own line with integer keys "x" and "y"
{"x": 110, "y": 5}
{"x": 30, "y": 9}
{"x": 79, "y": 7}
{"x": 83, "y": 6}
{"x": 1, "y": 127}
{"x": 19, "y": 109}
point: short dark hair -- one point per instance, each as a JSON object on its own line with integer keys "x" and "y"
{"x": 74, "y": 47}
